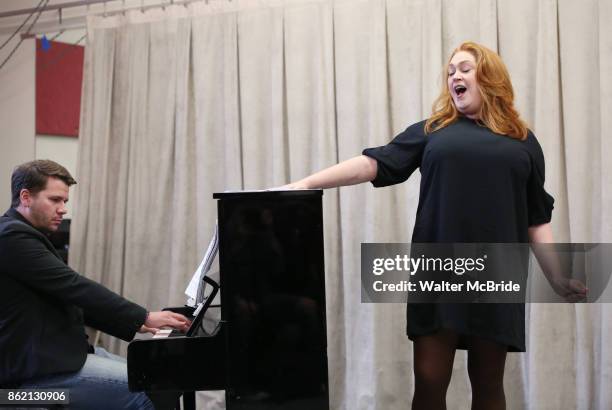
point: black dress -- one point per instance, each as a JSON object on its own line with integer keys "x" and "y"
{"x": 476, "y": 186}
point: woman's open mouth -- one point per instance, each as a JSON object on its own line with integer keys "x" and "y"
{"x": 459, "y": 89}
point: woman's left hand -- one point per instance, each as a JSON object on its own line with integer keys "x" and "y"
{"x": 572, "y": 290}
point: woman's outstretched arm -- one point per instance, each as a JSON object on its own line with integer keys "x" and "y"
{"x": 350, "y": 172}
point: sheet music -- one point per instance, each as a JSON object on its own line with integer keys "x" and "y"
{"x": 195, "y": 290}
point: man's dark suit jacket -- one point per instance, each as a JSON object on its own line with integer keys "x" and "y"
{"x": 44, "y": 305}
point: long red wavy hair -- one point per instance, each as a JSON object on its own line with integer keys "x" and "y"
{"x": 497, "y": 111}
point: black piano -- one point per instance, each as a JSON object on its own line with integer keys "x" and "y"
{"x": 269, "y": 349}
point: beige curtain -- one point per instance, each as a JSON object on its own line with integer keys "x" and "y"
{"x": 182, "y": 102}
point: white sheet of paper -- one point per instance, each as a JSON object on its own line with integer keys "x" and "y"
{"x": 192, "y": 288}
{"x": 203, "y": 268}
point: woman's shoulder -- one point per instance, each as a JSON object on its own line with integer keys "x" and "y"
{"x": 417, "y": 127}
{"x": 532, "y": 140}
{"x": 532, "y": 146}
{"x": 415, "y": 130}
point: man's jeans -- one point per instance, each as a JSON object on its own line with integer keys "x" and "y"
{"x": 100, "y": 384}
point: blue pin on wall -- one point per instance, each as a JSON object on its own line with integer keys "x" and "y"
{"x": 45, "y": 44}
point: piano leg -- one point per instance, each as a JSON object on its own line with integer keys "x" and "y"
{"x": 189, "y": 400}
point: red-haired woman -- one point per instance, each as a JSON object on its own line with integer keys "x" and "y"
{"x": 482, "y": 180}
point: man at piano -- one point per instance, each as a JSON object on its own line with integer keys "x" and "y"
{"x": 44, "y": 304}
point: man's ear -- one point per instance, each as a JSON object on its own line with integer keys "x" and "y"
{"x": 25, "y": 196}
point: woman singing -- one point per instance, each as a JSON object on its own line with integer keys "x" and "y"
{"x": 482, "y": 180}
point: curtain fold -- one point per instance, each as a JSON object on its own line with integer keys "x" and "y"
{"x": 186, "y": 101}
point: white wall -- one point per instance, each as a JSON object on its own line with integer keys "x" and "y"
{"x": 17, "y": 114}
{"x": 18, "y": 140}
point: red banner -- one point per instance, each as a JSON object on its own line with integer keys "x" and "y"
{"x": 59, "y": 75}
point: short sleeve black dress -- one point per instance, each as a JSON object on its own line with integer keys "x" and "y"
{"x": 476, "y": 186}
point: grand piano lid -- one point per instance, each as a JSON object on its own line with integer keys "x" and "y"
{"x": 268, "y": 193}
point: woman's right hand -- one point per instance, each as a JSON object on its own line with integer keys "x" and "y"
{"x": 293, "y": 185}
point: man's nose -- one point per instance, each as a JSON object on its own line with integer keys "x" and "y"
{"x": 62, "y": 209}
